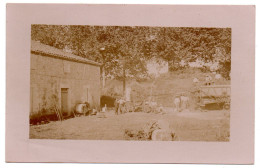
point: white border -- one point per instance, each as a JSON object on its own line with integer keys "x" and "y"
{"x": 2, "y": 73}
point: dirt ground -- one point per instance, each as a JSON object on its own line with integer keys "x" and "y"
{"x": 188, "y": 126}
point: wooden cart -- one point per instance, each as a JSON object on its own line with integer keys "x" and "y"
{"x": 218, "y": 95}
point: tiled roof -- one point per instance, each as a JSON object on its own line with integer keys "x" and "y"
{"x": 42, "y": 49}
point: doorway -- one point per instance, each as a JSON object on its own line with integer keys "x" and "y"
{"x": 64, "y": 101}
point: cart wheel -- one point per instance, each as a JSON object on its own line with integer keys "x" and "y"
{"x": 226, "y": 106}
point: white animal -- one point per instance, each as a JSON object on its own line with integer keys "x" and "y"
{"x": 104, "y": 109}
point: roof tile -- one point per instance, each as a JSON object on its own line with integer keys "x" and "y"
{"x": 39, "y": 48}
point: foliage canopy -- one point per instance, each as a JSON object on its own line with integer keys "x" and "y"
{"x": 129, "y": 48}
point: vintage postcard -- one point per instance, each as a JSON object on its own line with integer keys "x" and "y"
{"x": 130, "y": 83}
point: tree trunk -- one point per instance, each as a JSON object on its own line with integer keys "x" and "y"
{"x": 103, "y": 77}
{"x": 124, "y": 82}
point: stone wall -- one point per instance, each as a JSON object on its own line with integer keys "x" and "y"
{"x": 49, "y": 75}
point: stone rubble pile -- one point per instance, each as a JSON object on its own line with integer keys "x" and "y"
{"x": 155, "y": 131}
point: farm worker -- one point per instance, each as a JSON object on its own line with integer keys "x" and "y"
{"x": 177, "y": 103}
{"x": 121, "y": 102}
{"x": 184, "y": 101}
{"x": 116, "y": 106}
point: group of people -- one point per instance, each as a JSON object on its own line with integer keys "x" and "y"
{"x": 124, "y": 106}
{"x": 181, "y": 102}
{"x": 208, "y": 80}
{"x": 119, "y": 106}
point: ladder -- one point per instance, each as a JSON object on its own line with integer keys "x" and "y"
{"x": 58, "y": 113}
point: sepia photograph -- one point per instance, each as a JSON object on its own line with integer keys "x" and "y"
{"x": 131, "y": 83}
{"x": 92, "y": 83}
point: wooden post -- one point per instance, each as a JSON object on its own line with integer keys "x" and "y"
{"x": 124, "y": 82}
{"x": 102, "y": 51}
{"x": 103, "y": 77}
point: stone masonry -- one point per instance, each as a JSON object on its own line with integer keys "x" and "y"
{"x": 53, "y": 71}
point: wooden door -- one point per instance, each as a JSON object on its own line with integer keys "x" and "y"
{"x": 31, "y": 100}
{"x": 64, "y": 100}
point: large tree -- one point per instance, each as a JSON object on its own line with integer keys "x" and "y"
{"x": 124, "y": 50}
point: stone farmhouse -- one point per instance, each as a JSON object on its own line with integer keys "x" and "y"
{"x": 62, "y": 80}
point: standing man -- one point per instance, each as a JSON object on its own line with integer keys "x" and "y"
{"x": 116, "y": 106}
{"x": 184, "y": 101}
{"x": 177, "y": 102}
{"x": 121, "y": 103}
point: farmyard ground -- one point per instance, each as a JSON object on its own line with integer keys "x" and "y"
{"x": 188, "y": 126}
